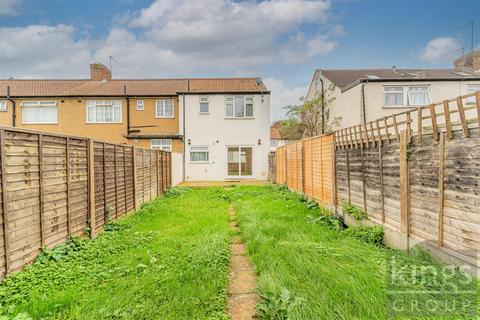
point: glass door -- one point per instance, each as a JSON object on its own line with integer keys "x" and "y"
{"x": 240, "y": 161}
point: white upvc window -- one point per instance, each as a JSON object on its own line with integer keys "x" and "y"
{"x": 471, "y": 88}
{"x": 140, "y": 105}
{"x": 39, "y": 112}
{"x": 204, "y": 105}
{"x": 199, "y": 154}
{"x": 401, "y": 96}
{"x": 164, "y": 108}
{"x": 3, "y": 105}
{"x": 161, "y": 144}
{"x": 104, "y": 111}
{"x": 239, "y": 107}
{"x": 273, "y": 143}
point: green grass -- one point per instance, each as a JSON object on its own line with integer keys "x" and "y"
{"x": 169, "y": 261}
{"x": 312, "y": 270}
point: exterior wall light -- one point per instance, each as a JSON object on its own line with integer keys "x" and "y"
{"x": 259, "y": 141}
{"x": 189, "y": 141}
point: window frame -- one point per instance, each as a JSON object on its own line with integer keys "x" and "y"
{"x": 233, "y": 102}
{"x": 199, "y": 149}
{"x": 5, "y": 104}
{"x": 120, "y": 107}
{"x": 405, "y": 96}
{"x": 163, "y": 104}
{"x": 140, "y": 106}
{"x": 207, "y": 101}
{"x": 38, "y": 104}
{"x": 161, "y": 146}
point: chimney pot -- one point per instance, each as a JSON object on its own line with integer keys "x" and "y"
{"x": 99, "y": 72}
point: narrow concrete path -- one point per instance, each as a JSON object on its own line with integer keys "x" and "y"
{"x": 242, "y": 297}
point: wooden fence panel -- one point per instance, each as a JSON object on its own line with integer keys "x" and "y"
{"x": 55, "y": 186}
{"x": 391, "y": 177}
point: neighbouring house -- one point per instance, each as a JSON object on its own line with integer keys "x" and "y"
{"x": 276, "y": 138}
{"x": 363, "y": 95}
{"x": 150, "y": 113}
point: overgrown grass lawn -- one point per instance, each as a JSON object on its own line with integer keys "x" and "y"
{"x": 306, "y": 270}
{"x": 169, "y": 261}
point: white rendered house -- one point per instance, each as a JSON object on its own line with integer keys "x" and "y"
{"x": 226, "y": 132}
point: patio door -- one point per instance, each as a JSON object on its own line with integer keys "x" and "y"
{"x": 240, "y": 161}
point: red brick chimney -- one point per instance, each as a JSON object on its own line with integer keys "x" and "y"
{"x": 99, "y": 72}
{"x": 468, "y": 62}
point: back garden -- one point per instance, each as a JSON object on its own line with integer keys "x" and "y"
{"x": 171, "y": 261}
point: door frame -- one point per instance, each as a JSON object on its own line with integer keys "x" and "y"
{"x": 239, "y": 167}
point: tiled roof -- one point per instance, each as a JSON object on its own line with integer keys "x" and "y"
{"x": 348, "y": 77}
{"x": 275, "y": 133}
{"x": 154, "y": 87}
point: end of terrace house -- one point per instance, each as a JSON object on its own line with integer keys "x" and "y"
{"x": 216, "y": 128}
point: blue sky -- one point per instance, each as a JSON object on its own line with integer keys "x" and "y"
{"x": 282, "y": 41}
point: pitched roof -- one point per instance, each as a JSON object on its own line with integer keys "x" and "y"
{"x": 115, "y": 87}
{"x": 348, "y": 78}
{"x": 275, "y": 133}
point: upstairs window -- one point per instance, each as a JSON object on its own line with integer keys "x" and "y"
{"x": 164, "y": 108}
{"x": 471, "y": 88}
{"x": 104, "y": 111}
{"x": 161, "y": 144}
{"x": 39, "y": 112}
{"x": 3, "y": 105}
{"x": 199, "y": 154}
{"x": 239, "y": 107}
{"x": 204, "y": 108}
{"x": 140, "y": 105}
{"x": 399, "y": 96}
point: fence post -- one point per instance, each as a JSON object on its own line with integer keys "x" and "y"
{"x": 334, "y": 174}
{"x": 40, "y": 190}
{"x": 115, "y": 179}
{"x": 158, "y": 171}
{"x": 404, "y": 190}
{"x": 303, "y": 166}
{"x": 134, "y": 174}
{"x": 441, "y": 170}
{"x": 67, "y": 171}
{"x": 91, "y": 187}
{"x": 125, "y": 177}
{"x": 4, "y": 202}
{"x": 169, "y": 169}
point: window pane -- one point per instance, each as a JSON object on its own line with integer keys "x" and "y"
{"x": 91, "y": 114}
{"x": 39, "y": 114}
{"x": 198, "y": 156}
{"x": 393, "y": 99}
{"x": 249, "y": 110}
{"x": 117, "y": 114}
{"x": 108, "y": 114}
{"x": 159, "y": 110}
{"x": 239, "y": 107}
{"x": 246, "y": 164}
{"x": 229, "y": 110}
{"x": 416, "y": 99}
{"x": 100, "y": 114}
{"x": 233, "y": 163}
{"x": 204, "y": 107}
{"x": 168, "y": 108}
{"x": 3, "y": 105}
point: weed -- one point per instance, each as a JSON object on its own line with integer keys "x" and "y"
{"x": 176, "y": 191}
{"x": 353, "y": 211}
{"x": 368, "y": 234}
{"x": 329, "y": 221}
{"x": 277, "y": 306}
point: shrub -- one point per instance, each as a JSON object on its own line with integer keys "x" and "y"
{"x": 329, "y": 221}
{"x": 354, "y": 211}
{"x": 368, "y": 234}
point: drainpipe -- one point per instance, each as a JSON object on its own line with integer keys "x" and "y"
{"x": 364, "y": 108}
{"x": 128, "y": 108}
{"x": 14, "y": 107}
{"x": 323, "y": 108}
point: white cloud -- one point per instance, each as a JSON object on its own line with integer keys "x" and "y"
{"x": 441, "y": 49}
{"x": 174, "y": 38}
{"x": 10, "y": 7}
{"x": 43, "y": 51}
{"x": 281, "y": 96}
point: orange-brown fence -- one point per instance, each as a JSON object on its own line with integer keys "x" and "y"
{"x": 307, "y": 166}
{"x": 56, "y": 186}
{"x": 416, "y": 173}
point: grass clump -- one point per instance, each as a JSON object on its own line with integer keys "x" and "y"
{"x": 369, "y": 234}
{"x": 354, "y": 211}
{"x": 168, "y": 261}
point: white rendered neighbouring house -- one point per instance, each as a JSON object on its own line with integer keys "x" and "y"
{"x": 226, "y": 131}
{"x": 363, "y": 95}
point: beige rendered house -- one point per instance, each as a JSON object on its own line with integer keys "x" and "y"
{"x": 363, "y": 95}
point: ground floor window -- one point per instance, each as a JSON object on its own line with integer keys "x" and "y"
{"x": 161, "y": 144}
{"x": 240, "y": 161}
{"x": 199, "y": 154}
